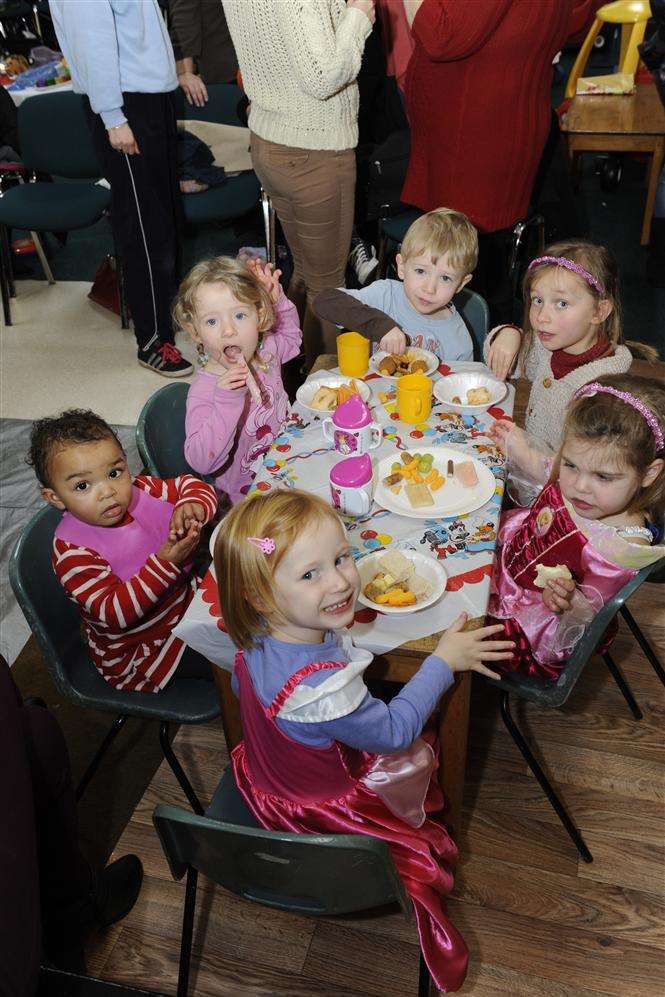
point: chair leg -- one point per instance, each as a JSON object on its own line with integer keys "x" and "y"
{"x": 7, "y": 250}
{"x": 177, "y": 769}
{"x": 382, "y": 268}
{"x": 545, "y": 784}
{"x": 187, "y": 931}
{"x": 649, "y": 652}
{"x": 424, "y": 978}
{"x": 99, "y": 754}
{"x": 39, "y": 249}
{"x": 624, "y": 688}
{"x": 4, "y": 286}
{"x": 269, "y": 227}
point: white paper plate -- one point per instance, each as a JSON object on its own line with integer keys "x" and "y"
{"x": 452, "y": 499}
{"x": 430, "y": 359}
{"x": 456, "y": 386}
{"x": 306, "y": 391}
{"x": 427, "y": 567}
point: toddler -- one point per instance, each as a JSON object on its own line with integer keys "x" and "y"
{"x": 596, "y": 522}
{"x": 244, "y": 329}
{"x": 320, "y": 754}
{"x": 122, "y": 548}
{"x": 437, "y": 258}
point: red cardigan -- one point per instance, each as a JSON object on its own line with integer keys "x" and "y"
{"x": 478, "y": 100}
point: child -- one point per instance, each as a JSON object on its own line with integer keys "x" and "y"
{"x": 320, "y": 754}
{"x": 121, "y": 549}
{"x": 437, "y": 258}
{"x": 244, "y": 329}
{"x": 599, "y": 516}
{"x": 572, "y": 332}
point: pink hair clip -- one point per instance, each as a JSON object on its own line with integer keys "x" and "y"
{"x": 563, "y": 261}
{"x": 265, "y": 544}
{"x": 594, "y": 387}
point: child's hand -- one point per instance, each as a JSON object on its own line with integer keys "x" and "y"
{"x": 499, "y": 432}
{"x": 393, "y": 341}
{"x": 183, "y": 517}
{"x": 177, "y": 551}
{"x": 465, "y": 652}
{"x": 503, "y": 351}
{"x": 558, "y": 594}
{"x": 268, "y": 276}
{"x": 234, "y": 377}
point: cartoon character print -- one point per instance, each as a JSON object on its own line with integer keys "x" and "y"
{"x": 263, "y": 424}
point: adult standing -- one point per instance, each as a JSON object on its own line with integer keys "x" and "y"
{"x": 202, "y": 46}
{"x": 121, "y": 58}
{"x": 299, "y": 60}
{"x": 478, "y": 101}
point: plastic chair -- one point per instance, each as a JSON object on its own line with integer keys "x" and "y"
{"x": 54, "y": 139}
{"x": 160, "y": 432}
{"x": 632, "y": 15}
{"x": 555, "y": 694}
{"x": 56, "y": 624}
{"x": 313, "y": 874}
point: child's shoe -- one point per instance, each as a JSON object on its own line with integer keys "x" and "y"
{"x": 165, "y": 359}
{"x": 363, "y": 260}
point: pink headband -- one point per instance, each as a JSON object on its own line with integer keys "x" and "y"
{"x": 563, "y": 261}
{"x": 593, "y": 387}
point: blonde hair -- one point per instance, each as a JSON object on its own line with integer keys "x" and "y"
{"x": 244, "y": 573}
{"x": 233, "y": 274}
{"x": 605, "y": 419}
{"x": 443, "y": 231}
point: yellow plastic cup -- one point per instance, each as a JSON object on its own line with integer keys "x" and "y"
{"x": 414, "y": 398}
{"x": 353, "y": 354}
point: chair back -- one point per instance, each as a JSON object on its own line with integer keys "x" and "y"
{"x": 308, "y": 873}
{"x": 473, "y": 309}
{"x": 160, "y": 432}
{"x": 221, "y": 106}
{"x": 55, "y": 137}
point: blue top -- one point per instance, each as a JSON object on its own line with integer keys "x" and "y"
{"x": 374, "y": 726}
{"x": 113, "y": 47}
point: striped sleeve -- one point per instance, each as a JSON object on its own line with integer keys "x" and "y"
{"x": 178, "y": 491}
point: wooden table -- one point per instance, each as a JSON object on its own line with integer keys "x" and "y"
{"x": 631, "y": 123}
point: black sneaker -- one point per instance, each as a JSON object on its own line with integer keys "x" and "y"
{"x": 165, "y": 359}
{"x": 363, "y": 260}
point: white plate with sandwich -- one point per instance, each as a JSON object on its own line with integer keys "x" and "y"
{"x": 400, "y": 581}
{"x": 420, "y": 493}
{"x": 323, "y": 394}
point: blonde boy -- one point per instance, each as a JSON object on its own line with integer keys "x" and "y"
{"x": 437, "y": 258}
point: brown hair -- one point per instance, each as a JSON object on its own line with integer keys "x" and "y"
{"x": 235, "y": 275}
{"x": 244, "y": 573}
{"x": 605, "y": 419}
{"x": 443, "y": 231}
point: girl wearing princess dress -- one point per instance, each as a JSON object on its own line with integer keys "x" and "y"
{"x": 572, "y": 332}
{"x": 594, "y": 525}
{"x": 320, "y": 754}
{"x": 244, "y": 329}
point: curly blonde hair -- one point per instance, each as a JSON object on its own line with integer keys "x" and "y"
{"x": 233, "y": 274}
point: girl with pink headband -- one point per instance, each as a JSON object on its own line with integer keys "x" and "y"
{"x": 596, "y": 522}
{"x": 571, "y": 335}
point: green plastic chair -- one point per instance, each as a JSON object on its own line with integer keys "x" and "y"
{"x": 554, "y": 694}
{"x": 56, "y": 624}
{"x": 160, "y": 433}
{"x": 321, "y": 875}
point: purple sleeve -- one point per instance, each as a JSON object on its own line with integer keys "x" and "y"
{"x": 286, "y": 335}
{"x": 211, "y": 421}
{"x": 376, "y": 726}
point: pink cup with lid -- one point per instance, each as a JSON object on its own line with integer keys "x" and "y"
{"x": 351, "y": 428}
{"x": 351, "y": 485}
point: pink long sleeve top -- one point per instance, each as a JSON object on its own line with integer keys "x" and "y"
{"x": 227, "y": 431}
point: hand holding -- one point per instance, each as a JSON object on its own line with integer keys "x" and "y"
{"x": 177, "y": 551}
{"x": 466, "y": 651}
{"x": 558, "y": 594}
{"x": 122, "y": 139}
{"x": 194, "y": 89}
{"x": 366, "y": 6}
{"x": 394, "y": 341}
{"x": 502, "y": 352}
{"x": 234, "y": 378}
{"x": 183, "y": 517}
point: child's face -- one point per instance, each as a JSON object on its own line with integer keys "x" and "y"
{"x": 90, "y": 480}
{"x": 226, "y": 327}
{"x": 563, "y": 312}
{"x": 316, "y": 584}
{"x": 430, "y": 286}
{"x": 596, "y": 480}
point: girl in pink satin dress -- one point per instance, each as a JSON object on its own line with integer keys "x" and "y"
{"x": 597, "y": 520}
{"x": 320, "y": 754}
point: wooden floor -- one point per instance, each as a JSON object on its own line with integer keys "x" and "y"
{"x": 538, "y": 921}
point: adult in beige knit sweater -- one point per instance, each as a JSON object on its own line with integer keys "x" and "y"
{"x": 299, "y": 60}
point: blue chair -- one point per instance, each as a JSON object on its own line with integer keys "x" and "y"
{"x": 160, "y": 432}
{"x": 56, "y": 624}
{"x": 473, "y": 309}
{"x": 555, "y": 694}
{"x": 315, "y": 874}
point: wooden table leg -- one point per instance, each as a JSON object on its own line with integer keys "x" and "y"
{"x": 230, "y": 707}
{"x": 654, "y": 176}
{"x": 453, "y": 730}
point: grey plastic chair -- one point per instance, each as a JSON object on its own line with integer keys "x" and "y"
{"x": 555, "y": 694}
{"x": 316, "y": 874}
{"x": 160, "y": 432}
{"x": 56, "y": 624}
{"x": 473, "y": 309}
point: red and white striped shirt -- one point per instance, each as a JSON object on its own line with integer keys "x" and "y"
{"x": 128, "y": 623}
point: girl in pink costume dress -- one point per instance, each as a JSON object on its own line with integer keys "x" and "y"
{"x": 599, "y": 516}
{"x": 320, "y": 754}
{"x": 244, "y": 329}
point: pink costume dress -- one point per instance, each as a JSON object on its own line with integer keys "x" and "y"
{"x": 291, "y": 786}
{"x": 551, "y": 533}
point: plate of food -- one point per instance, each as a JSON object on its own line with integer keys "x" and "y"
{"x": 324, "y": 394}
{"x": 469, "y": 391}
{"x": 400, "y": 581}
{"x": 433, "y": 483}
{"x": 412, "y": 361}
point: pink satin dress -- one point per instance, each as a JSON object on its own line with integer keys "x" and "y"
{"x": 290, "y": 786}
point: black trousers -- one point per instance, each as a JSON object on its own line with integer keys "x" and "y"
{"x": 145, "y": 208}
